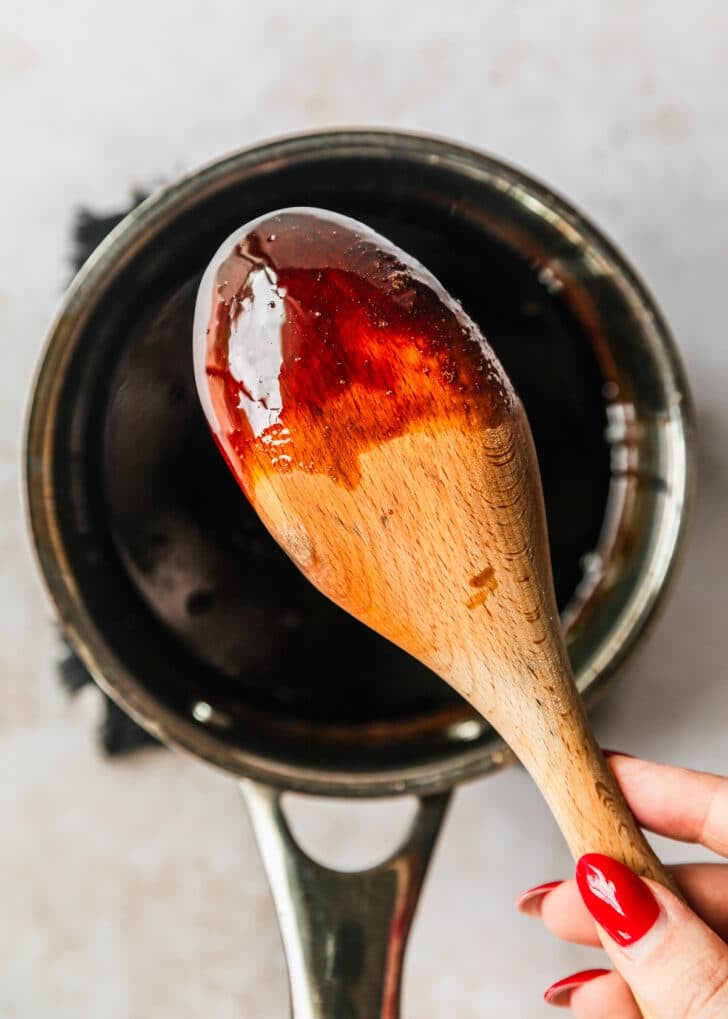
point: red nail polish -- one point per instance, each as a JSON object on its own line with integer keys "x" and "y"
{"x": 529, "y": 902}
{"x": 619, "y": 901}
{"x": 616, "y": 753}
{"x": 560, "y": 992}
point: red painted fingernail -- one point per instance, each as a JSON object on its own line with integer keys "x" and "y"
{"x": 616, "y": 753}
{"x": 529, "y": 902}
{"x": 618, "y": 900}
{"x": 559, "y": 993}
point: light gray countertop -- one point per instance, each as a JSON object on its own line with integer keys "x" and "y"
{"x": 134, "y": 889}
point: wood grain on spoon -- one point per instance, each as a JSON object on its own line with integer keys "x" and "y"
{"x": 383, "y": 446}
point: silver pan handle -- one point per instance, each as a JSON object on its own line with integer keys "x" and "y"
{"x": 344, "y": 933}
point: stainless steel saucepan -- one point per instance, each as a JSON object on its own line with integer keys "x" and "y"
{"x": 128, "y": 506}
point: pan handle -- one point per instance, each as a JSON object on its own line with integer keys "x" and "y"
{"x": 344, "y": 933}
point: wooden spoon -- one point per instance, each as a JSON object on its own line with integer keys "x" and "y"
{"x": 376, "y": 434}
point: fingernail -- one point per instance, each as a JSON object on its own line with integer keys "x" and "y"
{"x": 559, "y": 993}
{"x": 529, "y": 902}
{"x": 619, "y": 901}
{"x": 616, "y": 753}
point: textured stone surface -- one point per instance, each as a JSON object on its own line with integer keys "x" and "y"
{"x": 134, "y": 888}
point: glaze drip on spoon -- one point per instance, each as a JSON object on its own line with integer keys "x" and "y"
{"x": 316, "y": 339}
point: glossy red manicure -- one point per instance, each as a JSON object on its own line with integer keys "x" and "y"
{"x": 620, "y": 902}
{"x": 560, "y": 993}
{"x": 529, "y": 902}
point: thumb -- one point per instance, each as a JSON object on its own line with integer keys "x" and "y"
{"x": 676, "y": 966}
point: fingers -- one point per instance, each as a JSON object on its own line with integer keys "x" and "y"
{"x": 565, "y": 915}
{"x": 669, "y": 957}
{"x": 560, "y": 906}
{"x": 675, "y": 965}
{"x": 594, "y": 994}
{"x": 561, "y": 993}
{"x": 609, "y": 997}
{"x": 705, "y": 887}
{"x": 691, "y": 806}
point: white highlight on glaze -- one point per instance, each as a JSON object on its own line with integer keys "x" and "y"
{"x": 255, "y": 354}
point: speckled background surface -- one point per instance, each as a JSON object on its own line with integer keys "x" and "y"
{"x": 133, "y": 888}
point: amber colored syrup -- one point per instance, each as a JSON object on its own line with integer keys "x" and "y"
{"x": 322, "y": 339}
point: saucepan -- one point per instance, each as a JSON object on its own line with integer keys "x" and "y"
{"x": 186, "y": 614}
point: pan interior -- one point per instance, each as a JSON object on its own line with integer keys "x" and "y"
{"x": 192, "y": 593}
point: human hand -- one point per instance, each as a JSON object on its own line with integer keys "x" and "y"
{"x": 671, "y": 956}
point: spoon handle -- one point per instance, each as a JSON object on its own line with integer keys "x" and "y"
{"x": 569, "y": 768}
{"x": 567, "y": 764}
{"x": 592, "y": 812}
{"x": 594, "y": 816}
